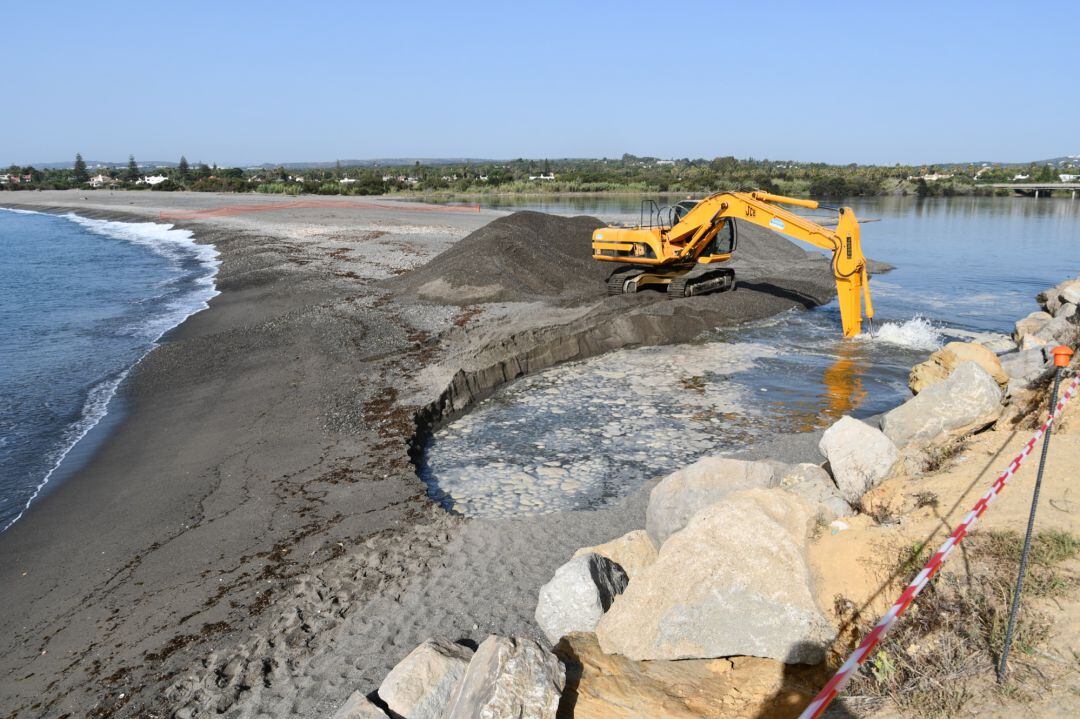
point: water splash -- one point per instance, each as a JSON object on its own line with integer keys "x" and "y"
{"x": 916, "y": 333}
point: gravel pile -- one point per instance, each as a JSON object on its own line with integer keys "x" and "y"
{"x": 522, "y": 257}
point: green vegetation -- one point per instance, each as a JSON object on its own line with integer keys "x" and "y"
{"x": 628, "y": 174}
{"x": 944, "y": 650}
{"x": 79, "y": 175}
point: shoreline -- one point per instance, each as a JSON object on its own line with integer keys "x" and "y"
{"x": 266, "y": 414}
{"x": 110, "y": 387}
{"x": 86, "y": 548}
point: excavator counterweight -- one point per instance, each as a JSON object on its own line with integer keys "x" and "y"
{"x": 685, "y": 255}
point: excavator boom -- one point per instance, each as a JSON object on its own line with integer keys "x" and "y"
{"x": 686, "y": 256}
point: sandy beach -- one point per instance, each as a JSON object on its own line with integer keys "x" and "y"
{"x": 259, "y": 484}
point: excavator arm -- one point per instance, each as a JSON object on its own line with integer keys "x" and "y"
{"x": 687, "y": 240}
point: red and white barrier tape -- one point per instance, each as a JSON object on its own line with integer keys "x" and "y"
{"x": 860, "y": 655}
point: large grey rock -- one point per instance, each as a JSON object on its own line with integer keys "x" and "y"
{"x": 859, "y": 455}
{"x": 1039, "y": 328}
{"x": 578, "y": 595}
{"x": 358, "y": 706}
{"x": 1030, "y": 325}
{"x": 1059, "y": 330}
{"x": 1065, "y": 292}
{"x": 968, "y": 400}
{"x": 734, "y": 581}
{"x": 683, "y": 493}
{"x": 633, "y": 551}
{"x": 509, "y": 678}
{"x": 942, "y": 363}
{"x": 421, "y": 684}
{"x": 1023, "y": 367}
{"x": 814, "y": 484}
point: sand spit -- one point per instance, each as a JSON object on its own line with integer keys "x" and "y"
{"x": 274, "y": 550}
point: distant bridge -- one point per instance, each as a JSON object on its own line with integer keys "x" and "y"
{"x": 1037, "y": 189}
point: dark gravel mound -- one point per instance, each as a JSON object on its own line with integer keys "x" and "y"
{"x": 521, "y": 257}
{"x": 529, "y": 256}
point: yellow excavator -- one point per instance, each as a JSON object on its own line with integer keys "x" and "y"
{"x": 684, "y": 254}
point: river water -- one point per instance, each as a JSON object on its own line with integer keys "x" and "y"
{"x": 583, "y": 433}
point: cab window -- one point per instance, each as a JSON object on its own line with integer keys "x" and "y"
{"x": 723, "y": 242}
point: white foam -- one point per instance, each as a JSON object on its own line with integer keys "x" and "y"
{"x": 916, "y": 333}
{"x": 173, "y": 244}
{"x": 580, "y": 433}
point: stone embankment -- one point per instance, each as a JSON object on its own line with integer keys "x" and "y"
{"x": 710, "y": 609}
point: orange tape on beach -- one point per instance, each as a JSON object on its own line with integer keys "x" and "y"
{"x": 231, "y": 210}
{"x": 869, "y": 643}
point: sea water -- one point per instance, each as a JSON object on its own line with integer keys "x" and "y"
{"x": 81, "y": 302}
{"x": 581, "y": 434}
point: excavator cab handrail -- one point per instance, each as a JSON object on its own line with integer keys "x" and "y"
{"x": 656, "y": 215}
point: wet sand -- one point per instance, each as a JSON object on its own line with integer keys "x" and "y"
{"x": 253, "y": 539}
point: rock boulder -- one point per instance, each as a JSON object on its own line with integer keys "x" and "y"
{"x": 358, "y": 706}
{"x": 633, "y": 551}
{"x": 578, "y": 595}
{"x": 968, "y": 400}
{"x": 859, "y": 455}
{"x": 734, "y": 581}
{"x": 683, "y": 493}
{"x": 1023, "y": 367}
{"x": 509, "y": 677}
{"x": 942, "y": 363}
{"x": 814, "y": 484}
{"x": 1065, "y": 292}
{"x": 610, "y": 686}
{"x": 1059, "y": 330}
{"x": 419, "y": 687}
{"x": 1030, "y": 326}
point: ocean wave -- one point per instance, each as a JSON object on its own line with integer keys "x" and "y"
{"x": 179, "y": 247}
{"x": 93, "y": 411}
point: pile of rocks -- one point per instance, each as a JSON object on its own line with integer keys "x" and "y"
{"x": 504, "y": 677}
{"x": 1057, "y": 323}
{"x": 720, "y": 570}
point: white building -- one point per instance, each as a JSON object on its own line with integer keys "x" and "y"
{"x": 151, "y": 180}
{"x": 1069, "y": 178}
{"x": 102, "y": 180}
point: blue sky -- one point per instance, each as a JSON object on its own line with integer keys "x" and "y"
{"x": 239, "y": 83}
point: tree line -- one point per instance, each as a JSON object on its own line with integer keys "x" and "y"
{"x": 628, "y": 173}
